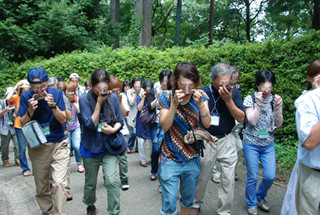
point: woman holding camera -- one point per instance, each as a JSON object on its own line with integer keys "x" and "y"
{"x": 264, "y": 113}
{"x": 180, "y": 111}
{"x": 101, "y": 141}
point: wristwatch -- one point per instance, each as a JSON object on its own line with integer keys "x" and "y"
{"x": 54, "y": 106}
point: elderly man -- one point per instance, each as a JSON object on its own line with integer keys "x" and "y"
{"x": 225, "y": 106}
{"x": 50, "y": 160}
{"x": 74, "y": 77}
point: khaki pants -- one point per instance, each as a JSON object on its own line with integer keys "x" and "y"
{"x": 51, "y": 161}
{"x": 308, "y": 191}
{"x": 225, "y": 154}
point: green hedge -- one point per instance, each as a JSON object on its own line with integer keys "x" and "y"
{"x": 287, "y": 59}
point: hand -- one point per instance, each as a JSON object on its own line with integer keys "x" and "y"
{"x": 178, "y": 97}
{"x": 33, "y": 104}
{"x": 7, "y": 109}
{"x": 107, "y": 129}
{"x": 225, "y": 94}
{"x": 259, "y": 99}
{"x": 198, "y": 95}
{"x": 20, "y": 83}
{"x": 101, "y": 98}
{"x": 158, "y": 93}
{"x": 70, "y": 98}
{"x": 49, "y": 99}
{"x": 277, "y": 100}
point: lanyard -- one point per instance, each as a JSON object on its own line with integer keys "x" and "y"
{"x": 214, "y": 109}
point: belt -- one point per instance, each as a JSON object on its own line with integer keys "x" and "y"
{"x": 221, "y": 135}
{"x": 318, "y": 170}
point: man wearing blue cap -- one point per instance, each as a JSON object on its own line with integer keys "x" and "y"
{"x": 46, "y": 105}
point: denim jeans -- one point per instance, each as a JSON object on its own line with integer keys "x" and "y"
{"x": 267, "y": 157}
{"x": 22, "y": 145}
{"x": 74, "y": 141}
{"x": 155, "y": 149}
{"x": 170, "y": 172}
{"x": 132, "y": 138}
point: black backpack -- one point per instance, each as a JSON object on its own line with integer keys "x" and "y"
{"x": 246, "y": 122}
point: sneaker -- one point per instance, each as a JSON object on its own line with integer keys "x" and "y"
{"x": 124, "y": 185}
{"x": 6, "y": 163}
{"x": 216, "y": 180}
{"x": 263, "y": 205}
{"x": 69, "y": 196}
{"x": 91, "y": 210}
{"x": 17, "y": 163}
{"x": 128, "y": 150}
{"x": 160, "y": 188}
{"x": 252, "y": 211}
{"x": 236, "y": 177}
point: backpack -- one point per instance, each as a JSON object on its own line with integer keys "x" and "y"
{"x": 246, "y": 121}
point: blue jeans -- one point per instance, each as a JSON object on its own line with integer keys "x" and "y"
{"x": 132, "y": 138}
{"x": 22, "y": 145}
{"x": 74, "y": 141}
{"x": 267, "y": 157}
{"x": 170, "y": 172}
{"x": 155, "y": 149}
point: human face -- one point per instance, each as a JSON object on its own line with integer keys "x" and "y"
{"x": 39, "y": 89}
{"x": 126, "y": 88}
{"x": 234, "y": 80}
{"x": 75, "y": 81}
{"x": 315, "y": 81}
{"x": 116, "y": 90}
{"x": 101, "y": 87}
{"x": 164, "y": 83}
{"x": 265, "y": 88}
{"x": 221, "y": 81}
{"x": 60, "y": 85}
{"x": 185, "y": 84}
{"x": 137, "y": 86}
{"x": 70, "y": 94}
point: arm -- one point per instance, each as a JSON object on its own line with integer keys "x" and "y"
{"x": 107, "y": 129}
{"x": 57, "y": 112}
{"x": 203, "y": 108}
{"x": 236, "y": 113}
{"x": 68, "y": 115}
{"x": 278, "y": 111}
{"x": 10, "y": 94}
{"x": 7, "y": 109}
{"x": 31, "y": 105}
{"x": 313, "y": 139}
{"x": 123, "y": 104}
{"x": 131, "y": 97}
{"x": 140, "y": 105}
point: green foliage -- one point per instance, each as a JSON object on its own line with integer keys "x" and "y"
{"x": 287, "y": 59}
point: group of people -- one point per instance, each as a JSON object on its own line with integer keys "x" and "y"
{"x": 194, "y": 134}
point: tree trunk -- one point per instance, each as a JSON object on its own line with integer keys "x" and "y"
{"x": 248, "y": 21}
{"x": 316, "y": 15}
{"x": 211, "y": 21}
{"x": 115, "y": 17}
{"x": 178, "y": 21}
{"x": 146, "y": 29}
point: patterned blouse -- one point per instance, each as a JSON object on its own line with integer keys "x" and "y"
{"x": 174, "y": 146}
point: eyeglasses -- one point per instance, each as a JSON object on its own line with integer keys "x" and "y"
{"x": 70, "y": 93}
{"x": 42, "y": 88}
{"x": 117, "y": 92}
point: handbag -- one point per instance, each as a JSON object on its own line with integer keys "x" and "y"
{"x": 146, "y": 117}
{"x": 33, "y": 134}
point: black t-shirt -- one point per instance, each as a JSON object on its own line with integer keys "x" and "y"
{"x": 219, "y": 107}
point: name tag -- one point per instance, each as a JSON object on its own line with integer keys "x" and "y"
{"x": 263, "y": 134}
{"x": 45, "y": 128}
{"x": 100, "y": 125}
{"x": 71, "y": 121}
{"x": 215, "y": 120}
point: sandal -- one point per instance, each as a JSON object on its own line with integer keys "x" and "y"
{"x": 153, "y": 177}
{"x": 80, "y": 168}
{"x": 143, "y": 164}
{"x": 27, "y": 173}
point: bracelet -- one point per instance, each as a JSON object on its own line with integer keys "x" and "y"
{"x": 204, "y": 115}
{"x": 28, "y": 114}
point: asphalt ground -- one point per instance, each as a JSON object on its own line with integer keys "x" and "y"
{"x": 17, "y": 192}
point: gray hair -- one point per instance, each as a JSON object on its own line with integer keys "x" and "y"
{"x": 52, "y": 81}
{"x": 220, "y": 68}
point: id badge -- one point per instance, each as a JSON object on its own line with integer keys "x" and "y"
{"x": 100, "y": 125}
{"x": 45, "y": 128}
{"x": 71, "y": 121}
{"x": 10, "y": 122}
{"x": 215, "y": 120}
{"x": 263, "y": 134}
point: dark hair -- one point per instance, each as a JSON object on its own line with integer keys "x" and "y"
{"x": 166, "y": 73}
{"x": 187, "y": 70}
{"x": 147, "y": 83}
{"x": 265, "y": 76}
{"x": 126, "y": 83}
{"x": 135, "y": 79}
{"x": 87, "y": 83}
{"x": 99, "y": 75}
{"x": 59, "y": 78}
{"x": 312, "y": 71}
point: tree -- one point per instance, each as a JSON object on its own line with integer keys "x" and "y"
{"x": 115, "y": 17}
{"x": 178, "y": 22}
{"x": 211, "y": 21}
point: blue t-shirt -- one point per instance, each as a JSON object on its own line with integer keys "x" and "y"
{"x": 218, "y": 106}
{"x": 44, "y": 115}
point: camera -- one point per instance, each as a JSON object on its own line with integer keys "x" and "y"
{"x": 39, "y": 96}
{"x": 107, "y": 93}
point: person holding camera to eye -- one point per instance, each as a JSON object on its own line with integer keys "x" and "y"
{"x": 181, "y": 110}
{"x": 50, "y": 160}
{"x": 225, "y": 105}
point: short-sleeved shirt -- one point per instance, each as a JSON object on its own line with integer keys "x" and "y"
{"x": 251, "y": 133}
{"x": 308, "y": 115}
{"x": 141, "y": 130}
{"x": 44, "y": 115}
{"x": 16, "y": 100}
{"x": 218, "y": 107}
{"x": 174, "y": 146}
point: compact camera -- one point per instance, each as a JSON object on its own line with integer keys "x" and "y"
{"x": 39, "y": 96}
{"x": 106, "y": 93}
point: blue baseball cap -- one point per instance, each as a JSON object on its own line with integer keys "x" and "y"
{"x": 37, "y": 72}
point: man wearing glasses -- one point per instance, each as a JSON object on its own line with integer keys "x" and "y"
{"x": 46, "y": 105}
{"x": 225, "y": 105}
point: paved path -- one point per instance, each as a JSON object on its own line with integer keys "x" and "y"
{"x": 17, "y": 193}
